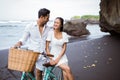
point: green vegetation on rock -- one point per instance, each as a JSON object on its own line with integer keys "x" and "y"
{"x": 91, "y": 17}
{"x": 85, "y": 17}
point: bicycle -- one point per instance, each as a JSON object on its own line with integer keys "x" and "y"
{"x": 50, "y": 72}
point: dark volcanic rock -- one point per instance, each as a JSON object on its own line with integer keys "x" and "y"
{"x": 110, "y": 16}
{"x": 76, "y": 28}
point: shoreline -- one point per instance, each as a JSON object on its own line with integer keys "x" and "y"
{"x": 74, "y": 39}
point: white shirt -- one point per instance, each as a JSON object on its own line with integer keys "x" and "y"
{"x": 36, "y": 40}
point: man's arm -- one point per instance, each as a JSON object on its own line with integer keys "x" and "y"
{"x": 24, "y": 38}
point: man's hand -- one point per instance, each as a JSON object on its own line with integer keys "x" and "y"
{"x": 17, "y": 45}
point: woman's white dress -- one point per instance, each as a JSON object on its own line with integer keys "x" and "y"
{"x": 56, "y": 46}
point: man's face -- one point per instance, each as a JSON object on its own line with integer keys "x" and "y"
{"x": 46, "y": 19}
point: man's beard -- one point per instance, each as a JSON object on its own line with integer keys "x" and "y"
{"x": 45, "y": 22}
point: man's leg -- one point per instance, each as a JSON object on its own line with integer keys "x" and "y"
{"x": 33, "y": 73}
{"x": 38, "y": 74}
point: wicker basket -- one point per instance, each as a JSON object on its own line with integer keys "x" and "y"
{"x": 22, "y": 60}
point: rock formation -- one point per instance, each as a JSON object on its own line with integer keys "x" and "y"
{"x": 110, "y": 16}
{"x": 75, "y": 28}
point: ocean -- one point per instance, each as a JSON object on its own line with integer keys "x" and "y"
{"x": 11, "y": 32}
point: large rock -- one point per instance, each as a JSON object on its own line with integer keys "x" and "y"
{"x": 110, "y": 16}
{"x": 76, "y": 28}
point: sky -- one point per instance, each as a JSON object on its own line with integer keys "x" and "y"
{"x": 28, "y": 9}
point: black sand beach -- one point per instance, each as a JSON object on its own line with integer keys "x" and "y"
{"x": 96, "y": 59}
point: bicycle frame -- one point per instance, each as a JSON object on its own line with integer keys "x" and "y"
{"x": 25, "y": 77}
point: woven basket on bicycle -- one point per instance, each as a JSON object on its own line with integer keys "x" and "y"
{"x": 22, "y": 60}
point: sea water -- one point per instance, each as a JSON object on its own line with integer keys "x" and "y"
{"x": 11, "y": 32}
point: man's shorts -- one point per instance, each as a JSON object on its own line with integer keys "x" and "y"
{"x": 41, "y": 60}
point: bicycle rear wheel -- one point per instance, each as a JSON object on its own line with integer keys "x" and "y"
{"x": 53, "y": 73}
{"x": 58, "y": 73}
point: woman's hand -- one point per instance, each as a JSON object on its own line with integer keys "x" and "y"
{"x": 53, "y": 62}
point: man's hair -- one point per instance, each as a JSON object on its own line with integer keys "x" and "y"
{"x": 43, "y": 12}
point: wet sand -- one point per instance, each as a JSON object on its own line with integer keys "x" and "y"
{"x": 96, "y": 59}
{"x": 5, "y": 73}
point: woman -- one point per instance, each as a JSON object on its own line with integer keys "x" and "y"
{"x": 58, "y": 39}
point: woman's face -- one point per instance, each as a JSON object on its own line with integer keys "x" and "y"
{"x": 57, "y": 24}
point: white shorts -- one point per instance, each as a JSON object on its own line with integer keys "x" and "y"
{"x": 41, "y": 60}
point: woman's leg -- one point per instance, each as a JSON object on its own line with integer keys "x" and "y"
{"x": 65, "y": 75}
{"x": 67, "y": 71}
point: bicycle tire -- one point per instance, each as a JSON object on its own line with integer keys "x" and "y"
{"x": 58, "y": 73}
{"x": 55, "y": 74}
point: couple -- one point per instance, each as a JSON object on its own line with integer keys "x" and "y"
{"x": 41, "y": 37}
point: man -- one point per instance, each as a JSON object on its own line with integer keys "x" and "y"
{"x": 37, "y": 33}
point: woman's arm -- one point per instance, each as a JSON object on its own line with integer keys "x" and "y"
{"x": 47, "y": 47}
{"x": 62, "y": 53}
{"x": 22, "y": 40}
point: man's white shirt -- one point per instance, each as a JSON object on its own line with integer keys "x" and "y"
{"x": 37, "y": 41}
